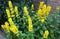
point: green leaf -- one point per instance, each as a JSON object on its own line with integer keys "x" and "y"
{"x": 41, "y": 32}
{"x": 44, "y": 27}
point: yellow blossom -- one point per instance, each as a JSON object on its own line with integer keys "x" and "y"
{"x": 17, "y": 35}
{"x": 44, "y": 6}
{"x": 14, "y": 29}
{"x": 16, "y": 11}
{"x": 13, "y": 15}
{"x": 39, "y": 12}
{"x": 48, "y": 10}
{"x": 10, "y": 4}
{"x": 12, "y": 12}
{"x": 29, "y": 20}
{"x": 10, "y": 21}
{"x": 6, "y": 24}
{"x": 25, "y": 11}
{"x": 44, "y": 9}
{"x": 11, "y": 8}
{"x": 6, "y": 27}
{"x": 8, "y": 12}
{"x": 32, "y": 7}
{"x": 41, "y": 4}
{"x": 42, "y": 20}
{"x": 30, "y": 26}
{"x": 46, "y": 34}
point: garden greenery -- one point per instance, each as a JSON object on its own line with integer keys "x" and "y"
{"x": 38, "y": 24}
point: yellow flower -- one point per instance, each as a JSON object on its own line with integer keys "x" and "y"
{"x": 39, "y": 12}
{"x": 10, "y": 21}
{"x": 16, "y": 11}
{"x": 6, "y": 23}
{"x": 8, "y": 12}
{"x": 29, "y": 20}
{"x": 10, "y": 4}
{"x": 12, "y": 15}
{"x": 44, "y": 6}
{"x": 6, "y": 27}
{"x": 11, "y": 9}
{"x": 14, "y": 29}
{"x": 12, "y": 12}
{"x": 25, "y": 11}
{"x": 44, "y": 9}
{"x": 41, "y": 4}
{"x": 30, "y": 26}
{"x": 48, "y": 10}
{"x": 32, "y": 7}
{"x": 17, "y": 35}
{"x": 42, "y": 20}
{"x": 46, "y": 34}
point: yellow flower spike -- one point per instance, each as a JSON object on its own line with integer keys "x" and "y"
{"x": 8, "y": 12}
{"x": 7, "y": 26}
{"x": 39, "y": 12}
{"x": 14, "y": 29}
{"x": 42, "y": 20}
{"x": 44, "y": 6}
{"x": 16, "y": 11}
{"x": 11, "y": 8}
{"x": 10, "y": 21}
{"x": 10, "y": 4}
{"x": 30, "y": 26}
{"x": 25, "y": 11}
{"x": 48, "y": 10}
{"x": 41, "y": 4}
{"x": 32, "y": 7}
{"x": 44, "y": 9}
{"x": 29, "y": 20}
{"x": 6, "y": 23}
{"x": 46, "y": 34}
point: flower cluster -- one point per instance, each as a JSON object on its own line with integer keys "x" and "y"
{"x": 10, "y": 26}
{"x": 46, "y": 34}
{"x": 6, "y": 27}
{"x": 13, "y": 10}
{"x": 25, "y": 11}
{"x": 43, "y": 11}
{"x": 30, "y": 26}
